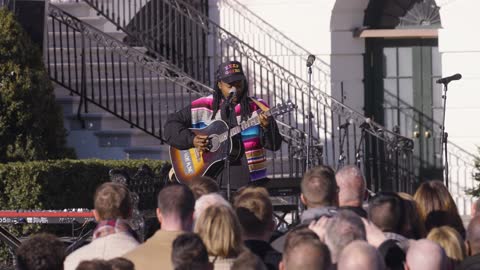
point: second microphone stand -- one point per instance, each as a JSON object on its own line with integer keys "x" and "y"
{"x": 444, "y": 136}
{"x": 309, "y": 116}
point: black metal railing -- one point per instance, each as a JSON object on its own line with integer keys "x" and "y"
{"x": 248, "y": 26}
{"x": 272, "y": 82}
{"x": 115, "y": 77}
{"x": 125, "y": 82}
{"x": 157, "y": 26}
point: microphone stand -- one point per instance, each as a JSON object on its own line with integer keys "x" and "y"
{"x": 444, "y": 135}
{"x": 309, "y": 117}
{"x": 231, "y": 113}
{"x": 341, "y": 157}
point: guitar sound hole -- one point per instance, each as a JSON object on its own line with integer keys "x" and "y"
{"x": 214, "y": 143}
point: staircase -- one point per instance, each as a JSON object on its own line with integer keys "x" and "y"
{"x": 114, "y": 94}
{"x": 124, "y": 95}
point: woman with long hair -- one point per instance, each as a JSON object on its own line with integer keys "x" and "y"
{"x": 219, "y": 228}
{"x": 437, "y": 207}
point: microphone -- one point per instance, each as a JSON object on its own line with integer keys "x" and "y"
{"x": 446, "y": 80}
{"x": 310, "y": 60}
{"x": 231, "y": 94}
{"x": 346, "y": 124}
{"x": 366, "y": 124}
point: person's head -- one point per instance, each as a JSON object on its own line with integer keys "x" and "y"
{"x": 473, "y": 236}
{"x": 475, "y": 208}
{"x": 450, "y": 240}
{"x": 304, "y": 250}
{"x": 111, "y": 201}
{"x": 94, "y": 265}
{"x": 202, "y": 185}
{"x": 120, "y": 263}
{"x": 255, "y": 212}
{"x": 208, "y": 200}
{"x": 351, "y": 186}
{"x": 41, "y": 252}
{"x": 437, "y": 207}
{"x": 412, "y": 227}
{"x": 231, "y": 77}
{"x": 385, "y": 210}
{"x": 344, "y": 228}
{"x": 189, "y": 252}
{"x": 359, "y": 255}
{"x": 425, "y": 254}
{"x": 175, "y": 208}
{"x": 248, "y": 261}
{"x": 219, "y": 228}
{"x": 319, "y": 187}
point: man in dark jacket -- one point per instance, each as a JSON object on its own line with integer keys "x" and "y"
{"x": 229, "y": 103}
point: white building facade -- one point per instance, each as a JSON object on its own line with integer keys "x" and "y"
{"x": 382, "y": 58}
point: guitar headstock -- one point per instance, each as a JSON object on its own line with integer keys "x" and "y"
{"x": 283, "y": 108}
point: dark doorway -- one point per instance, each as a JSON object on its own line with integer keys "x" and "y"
{"x": 401, "y": 94}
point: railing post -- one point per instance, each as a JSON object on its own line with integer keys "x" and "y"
{"x": 83, "y": 83}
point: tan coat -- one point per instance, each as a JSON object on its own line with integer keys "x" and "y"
{"x": 155, "y": 253}
{"x": 107, "y": 247}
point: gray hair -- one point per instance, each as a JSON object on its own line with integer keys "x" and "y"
{"x": 345, "y": 228}
{"x": 351, "y": 185}
{"x": 208, "y": 200}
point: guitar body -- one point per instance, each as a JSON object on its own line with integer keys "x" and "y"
{"x": 189, "y": 163}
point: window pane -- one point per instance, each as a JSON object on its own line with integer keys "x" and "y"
{"x": 405, "y": 62}
{"x": 436, "y": 63}
{"x": 390, "y": 62}
{"x": 406, "y": 92}
{"x": 390, "y": 93}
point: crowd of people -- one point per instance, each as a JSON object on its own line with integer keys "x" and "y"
{"x": 339, "y": 229}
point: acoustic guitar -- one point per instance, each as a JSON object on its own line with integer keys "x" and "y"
{"x": 190, "y": 163}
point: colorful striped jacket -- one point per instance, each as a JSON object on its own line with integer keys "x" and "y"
{"x": 202, "y": 112}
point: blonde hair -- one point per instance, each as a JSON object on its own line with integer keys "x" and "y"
{"x": 219, "y": 228}
{"x": 451, "y": 241}
{"x": 112, "y": 200}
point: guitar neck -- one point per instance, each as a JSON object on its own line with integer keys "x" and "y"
{"x": 252, "y": 121}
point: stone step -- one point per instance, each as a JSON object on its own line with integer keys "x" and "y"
{"x": 125, "y": 138}
{"x": 86, "y": 145}
{"x": 94, "y": 54}
{"x": 149, "y": 152}
{"x": 100, "y": 121}
{"x": 166, "y": 103}
{"x": 96, "y": 21}
{"x": 96, "y": 69}
{"x": 66, "y": 38}
{"x": 77, "y": 9}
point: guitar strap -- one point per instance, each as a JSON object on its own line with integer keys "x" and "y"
{"x": 259, "y": 104}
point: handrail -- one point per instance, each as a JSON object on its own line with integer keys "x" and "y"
{"x": 267, "y": 79}
{"x": 320, "y": 67}
{"x": 83, "y": 41}
{"x": 92, "y": 76}
{"x": 103, "y": 7}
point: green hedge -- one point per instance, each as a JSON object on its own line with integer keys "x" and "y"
{"x": 56, "y": 185}
{"x": 59, "y": 184}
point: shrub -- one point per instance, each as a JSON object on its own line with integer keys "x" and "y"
{"x": 31, "y": 124}
{"x": 57, "y": 184}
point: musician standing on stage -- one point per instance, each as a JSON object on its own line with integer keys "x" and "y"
{"x": 251, "y": 165}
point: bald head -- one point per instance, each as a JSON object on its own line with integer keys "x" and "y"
{"x": 473, "y": 235}
{"x": 359, "y": 255}
{"x": 425, "y": 255}
{"x": 307, "y": 255}
{"x": 351, "y": 186}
